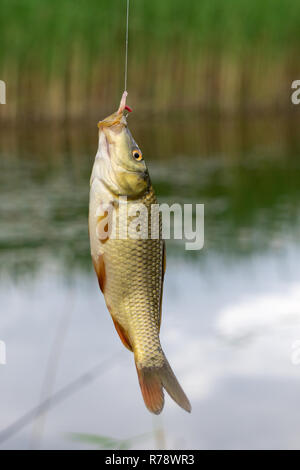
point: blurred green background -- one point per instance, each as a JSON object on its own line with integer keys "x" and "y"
{"x": 210, "y": 85}
{"x": 64, "y": 59}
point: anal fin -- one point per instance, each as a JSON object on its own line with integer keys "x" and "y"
{"x": 122, "y": 334}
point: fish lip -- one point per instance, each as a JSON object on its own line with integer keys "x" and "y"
{"x": 117, "y": 118}
{"x": 116, "y": 122}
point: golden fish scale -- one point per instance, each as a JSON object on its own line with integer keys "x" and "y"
{"x": 133, "y": 289}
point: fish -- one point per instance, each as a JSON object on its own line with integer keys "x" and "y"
{"x": 130, "y": 270}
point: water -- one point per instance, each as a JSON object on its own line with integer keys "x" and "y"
{"x": 230, "y": 312}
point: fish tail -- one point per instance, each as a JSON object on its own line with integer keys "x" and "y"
{"x": 152, "y": 382}
{"x": 151, "y": 388}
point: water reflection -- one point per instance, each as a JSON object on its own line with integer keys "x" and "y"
{"x": 233, "y": 308}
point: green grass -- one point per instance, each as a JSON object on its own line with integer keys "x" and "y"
{"x": 104, "y": 442}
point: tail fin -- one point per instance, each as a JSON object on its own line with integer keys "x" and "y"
{"x": 152, "y": 381}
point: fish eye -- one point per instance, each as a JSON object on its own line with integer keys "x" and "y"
{"x": 137, "y": 155}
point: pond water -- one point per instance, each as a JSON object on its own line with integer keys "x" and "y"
{"x": 231, "y": 311}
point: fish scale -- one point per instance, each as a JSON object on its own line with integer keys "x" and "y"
{"x": 137, "y": 265}
{"x": 130, "y": 269}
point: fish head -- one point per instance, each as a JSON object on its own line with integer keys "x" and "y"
{"x": 125, "y": 167}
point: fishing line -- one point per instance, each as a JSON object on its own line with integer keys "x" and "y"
{"x": 126, "y": 46}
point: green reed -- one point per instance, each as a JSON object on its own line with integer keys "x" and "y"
{"x": 63, "y": 58}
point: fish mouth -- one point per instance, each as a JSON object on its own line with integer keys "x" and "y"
{"x": 117, "y": 118}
